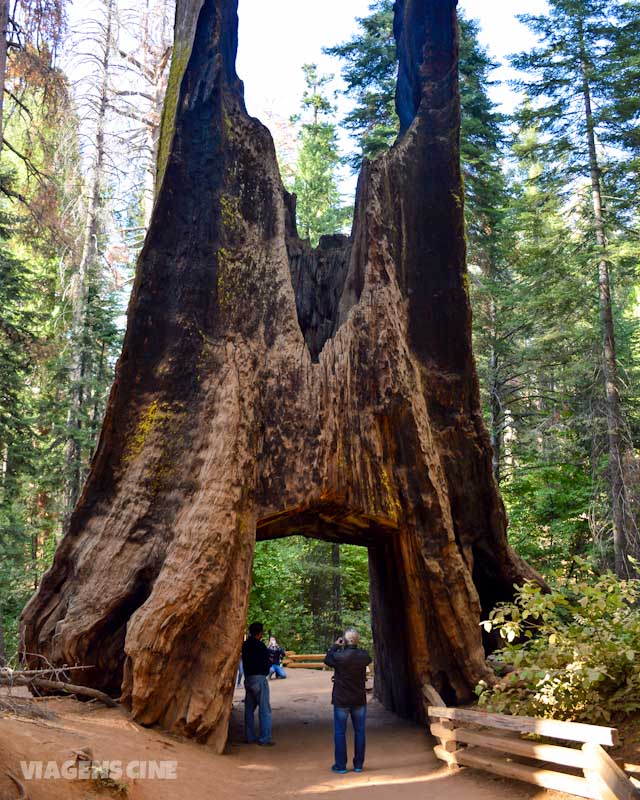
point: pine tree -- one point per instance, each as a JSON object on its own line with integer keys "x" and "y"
{"x": 369, "y": 73}
{"x": 567, "y": 80}
{"x": 551, "y": 344}
{"x": 319, "y": 207}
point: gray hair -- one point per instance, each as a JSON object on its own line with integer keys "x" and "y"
{"x": 351, "y": 636}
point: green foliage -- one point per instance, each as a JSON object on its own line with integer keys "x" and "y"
{"x": 41, "y": 236}
{"x": 574, "y": 652}
{"x": 319, "y": 207}
{"x": 369, "y": 72}
{"x": 548, "y": 507}
{"x": 293, "y": 592}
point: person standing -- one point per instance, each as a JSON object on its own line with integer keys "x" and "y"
{"x": 276, "y": 654}
{"x": 349, "y": 697}
{"x": 256, "y": 663}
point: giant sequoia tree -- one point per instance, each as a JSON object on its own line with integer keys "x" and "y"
{"x": 267, "y": 388}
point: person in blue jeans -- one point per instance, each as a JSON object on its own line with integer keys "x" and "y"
{"x": 256, "y": 663}
{"x": 276, "y": 653}
{"x": 349, "y": 697}
{"x": 240, "y": 674}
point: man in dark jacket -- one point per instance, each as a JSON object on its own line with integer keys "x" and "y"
{"x": 349, "y": 697}
{"x": 256, "y": 663}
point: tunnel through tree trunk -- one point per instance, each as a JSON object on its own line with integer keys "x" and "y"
{"x": 255, "y": 392}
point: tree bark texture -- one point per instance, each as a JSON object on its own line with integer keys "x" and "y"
{"x": 245, "y": 407}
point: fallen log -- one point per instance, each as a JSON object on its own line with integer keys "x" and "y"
{"x": 62, "y": 686}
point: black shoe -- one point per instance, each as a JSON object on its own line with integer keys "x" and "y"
{"x": 270, "y": 743}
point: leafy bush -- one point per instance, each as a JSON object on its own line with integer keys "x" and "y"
{"x": 572, "y": 654}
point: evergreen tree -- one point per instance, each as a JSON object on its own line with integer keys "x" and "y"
{"x": 369, "y": 72}
{"x": 319, "y": 207}
{"x": 567, "y": 80}
{"x": 551, "y": 345}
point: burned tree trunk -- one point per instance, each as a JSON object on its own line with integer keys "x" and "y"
{"x": 247, "y": 406}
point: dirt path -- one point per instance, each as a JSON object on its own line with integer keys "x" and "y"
{"x": 399, "y": 764}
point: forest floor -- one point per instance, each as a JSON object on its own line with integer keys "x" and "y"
{"x": 400, "y": 760}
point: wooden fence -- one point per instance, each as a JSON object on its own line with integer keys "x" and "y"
{"x": 293, "y": 660}
{"x": 584, "y": 771}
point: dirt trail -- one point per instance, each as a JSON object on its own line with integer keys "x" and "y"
{"x": 400, "y": 762}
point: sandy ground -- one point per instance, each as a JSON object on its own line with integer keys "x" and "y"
{"x": 400, "y": 762}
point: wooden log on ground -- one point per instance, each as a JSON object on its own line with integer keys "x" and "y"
{"x": 72, "y": 688}
{"x": 307, "y": 665}
{"x": 60, "y": 686}
{"x": 548, "y": 779}
{"x": 554, "y": 728}
{"x": 555, "y": 754}
{"x": 605, "y": 776}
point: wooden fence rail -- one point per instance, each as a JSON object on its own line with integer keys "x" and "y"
{"x": 293, "y": 660}
{"x": 584, "y": 771}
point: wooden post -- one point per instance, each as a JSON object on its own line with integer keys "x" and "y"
{"x": 605, "y": 776}
{"x": 448, "y": 744}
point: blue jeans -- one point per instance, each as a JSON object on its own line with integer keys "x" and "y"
{"x": 257, "y": 696}
{"x": 278, "y": 671}
{"x": 358, "y": 718}
{"x": 240, "y": 673}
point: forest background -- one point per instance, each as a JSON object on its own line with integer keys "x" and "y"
{"x": 551, "y": 199}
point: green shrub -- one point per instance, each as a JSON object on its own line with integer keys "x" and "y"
{"x": 572, "y": 654}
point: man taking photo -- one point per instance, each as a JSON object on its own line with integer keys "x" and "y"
{"x": 349, "y": 697}
{"x": 256, "y": 663}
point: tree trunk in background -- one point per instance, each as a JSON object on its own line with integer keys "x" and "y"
{"x": 146, "y": 64}
{"x": 4, "y": 36}
{"x": 496, "y": 420}
{"x": 224, "y": 423}
{"x": 319, "y": 596}
{"x": 158, "y": 68}
{"x": 336, "y": 591}
{"x": 84, "y": 274}
{"x": 3, "y": 653}
{"x": 619, "y": 503}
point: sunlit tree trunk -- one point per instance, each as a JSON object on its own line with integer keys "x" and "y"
{"x": 621, "y": 532}
{"x": 4, "y": 35}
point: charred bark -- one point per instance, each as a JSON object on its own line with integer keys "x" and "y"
{"x": 241, "y": 409}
